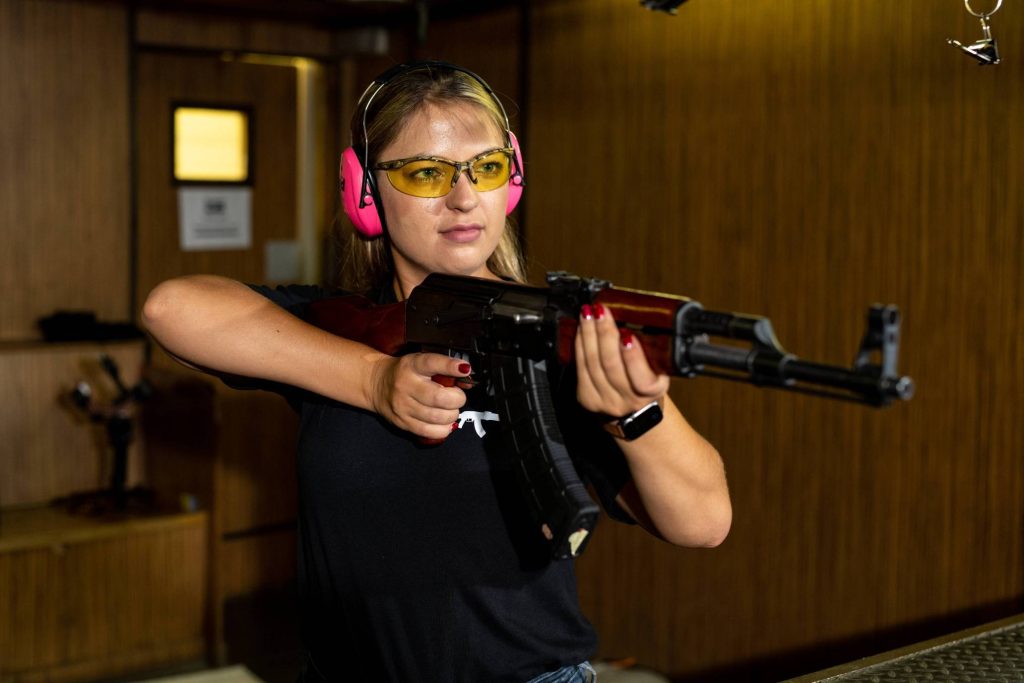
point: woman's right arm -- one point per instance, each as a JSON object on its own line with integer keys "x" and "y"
{"x": 220, "y": 325}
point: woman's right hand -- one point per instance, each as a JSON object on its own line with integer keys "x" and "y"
{"x": 405, "y": 393}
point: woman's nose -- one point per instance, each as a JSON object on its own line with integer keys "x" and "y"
{"x": 464, "y": 195}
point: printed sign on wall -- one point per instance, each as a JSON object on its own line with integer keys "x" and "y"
{"x": 215, "y": 218}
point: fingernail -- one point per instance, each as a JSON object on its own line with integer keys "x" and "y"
{"x": 465, "y": 368}
{"x": 455, "y": 425}
{"x": 587, "y": 312}
{"x": 598, "y": 311}
{"x": 627, "y": 337}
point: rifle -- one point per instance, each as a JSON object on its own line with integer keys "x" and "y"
{"x": 513, "y": 332}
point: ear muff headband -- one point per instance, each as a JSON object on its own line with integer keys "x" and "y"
{"x": 359, "y": 195}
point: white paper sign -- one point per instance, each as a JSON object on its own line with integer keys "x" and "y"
{"x": 215, "y": 218}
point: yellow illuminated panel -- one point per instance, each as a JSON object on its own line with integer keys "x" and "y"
{"x": 211, "y": 145}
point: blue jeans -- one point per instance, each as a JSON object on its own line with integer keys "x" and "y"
{"x": 574, "y": 673}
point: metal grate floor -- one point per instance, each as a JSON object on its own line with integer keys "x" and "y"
{"x": 995, "y": 654}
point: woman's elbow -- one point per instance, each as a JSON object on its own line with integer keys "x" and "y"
{"x": 709, "y": 531}
{"x": 176, "y": 305}
{"x": 155, "y": 306}
{"x": 718, "y": 528}
{"x": 711, "y": 527}
{"x": 160, "y": 305}
{"x": 173, "y": 299}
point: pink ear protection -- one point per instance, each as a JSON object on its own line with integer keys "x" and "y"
{"x": 358, "y": 188}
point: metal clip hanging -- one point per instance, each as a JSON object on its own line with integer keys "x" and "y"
{"x": 984, "y": 49}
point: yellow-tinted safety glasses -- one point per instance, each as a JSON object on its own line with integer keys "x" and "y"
{"x": 436, "y": 176}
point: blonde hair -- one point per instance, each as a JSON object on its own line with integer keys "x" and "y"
{"x": 366, "y": 262}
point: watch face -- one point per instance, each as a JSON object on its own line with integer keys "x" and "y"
{"x": 639, "y": 423}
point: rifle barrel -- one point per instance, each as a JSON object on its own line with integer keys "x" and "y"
{"x": 767, "y": 367}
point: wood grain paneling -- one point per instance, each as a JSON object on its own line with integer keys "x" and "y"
{"x": 488, "y": 43}
{"x": 86, "y": 600}
{"x": 801, "y": 161}
{"x": 233, "y": 451}
{"x": 256, "y": 563}
{"x": 49, "y": 448}
{"x": 64, "y": 162}
{"x": 159, "y": 28}
{"x": 270, "y": 91}
{"x": 257, "y": 460}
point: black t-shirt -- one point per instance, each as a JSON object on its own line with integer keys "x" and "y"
{"x": 418, "y": 563}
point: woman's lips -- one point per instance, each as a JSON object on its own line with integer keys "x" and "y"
{"x": 462, "y": 233}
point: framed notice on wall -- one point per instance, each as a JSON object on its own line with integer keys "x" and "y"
{"x": 215, "y": 218}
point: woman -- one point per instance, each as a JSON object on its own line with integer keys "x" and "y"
{"x": 415, "y": 563}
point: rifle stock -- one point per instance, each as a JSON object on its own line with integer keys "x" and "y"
{"x": 513, "y": 332}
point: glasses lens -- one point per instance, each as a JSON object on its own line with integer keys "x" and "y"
{"x": 492, "y": 170}
{"x": 423, "y": 178}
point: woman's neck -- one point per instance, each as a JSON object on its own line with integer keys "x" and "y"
{"x": 400, "y": 293}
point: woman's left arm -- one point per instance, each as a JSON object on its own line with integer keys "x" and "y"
{"x": 678, "y": 489}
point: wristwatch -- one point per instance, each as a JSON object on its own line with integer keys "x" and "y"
{"x": 635, "y": 424}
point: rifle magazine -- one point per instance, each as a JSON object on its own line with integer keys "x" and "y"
{"x": 555, "y": 495}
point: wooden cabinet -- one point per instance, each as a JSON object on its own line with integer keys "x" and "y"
{"x": 233, "y": 454}
{"x": 83, "y": 598}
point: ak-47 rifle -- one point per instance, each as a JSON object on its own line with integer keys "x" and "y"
{"x": 512, "y": 332}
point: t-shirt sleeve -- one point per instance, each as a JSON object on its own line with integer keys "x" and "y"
{"x": 296, "y": 298}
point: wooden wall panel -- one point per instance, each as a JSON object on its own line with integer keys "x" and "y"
{"x": 490, "y": 44}
{"x": 256, "y": 460}
{"x": 205, "y": 32}
{"x": 233, "y": 450}
{"x": 64, "y": 162}
{"x": 48, "y": 447}
{"x": 803, "y": 160}
{"x": 270, "y": 90}
{"x": 252, "y": 564}
{"x": 98, "y": 598}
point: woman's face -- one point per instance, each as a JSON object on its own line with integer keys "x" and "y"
{"x": 458, "y": 232}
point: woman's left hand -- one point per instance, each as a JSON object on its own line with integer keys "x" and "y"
{"x": 614, "y": 377}
{"x": 678, "y": 489}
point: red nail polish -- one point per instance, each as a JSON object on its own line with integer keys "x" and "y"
{"x": 464, "y": 368}
{"x": 627, "y": 337}
{"x": 598, "y": 311}
{"x": 587, "y": 312}
{"x": 455, "y": 425}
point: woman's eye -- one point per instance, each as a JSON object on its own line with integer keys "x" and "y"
{"x": 425, "y": 174}
{"x": 492, "y": 167}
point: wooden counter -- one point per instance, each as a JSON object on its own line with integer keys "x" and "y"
{"x": 84, "y": 598}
